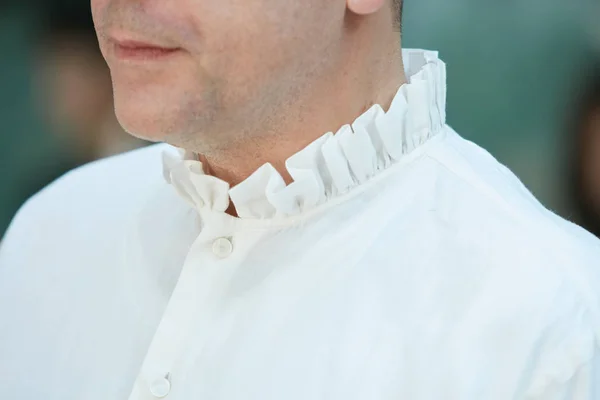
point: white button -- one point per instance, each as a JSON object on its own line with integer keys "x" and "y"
{"x": 222, "y": 247}
{"x": 160, "y": 387}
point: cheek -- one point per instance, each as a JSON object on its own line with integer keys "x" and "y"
{"x": 97, "y": 8}
{"x": 250, "y": 51}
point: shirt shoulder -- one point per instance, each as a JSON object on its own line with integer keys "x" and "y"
{"x": 83, "y": 205}
{"x": 530, "y": 279}
{"x": 118, "y": 177}
{"x": 483, "y": 199}
{"x": 503, "y": 224}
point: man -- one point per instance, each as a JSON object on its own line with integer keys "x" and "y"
{"x": 390, "y": 260}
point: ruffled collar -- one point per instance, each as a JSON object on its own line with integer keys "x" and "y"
{"x": 333, "y": 164}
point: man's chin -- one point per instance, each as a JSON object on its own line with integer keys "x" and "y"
{"x": 148, "y": 126}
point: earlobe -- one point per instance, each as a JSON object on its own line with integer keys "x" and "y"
{"x": 364, "y": 7}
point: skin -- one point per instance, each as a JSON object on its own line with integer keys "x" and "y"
{"x": 251, "y": 81}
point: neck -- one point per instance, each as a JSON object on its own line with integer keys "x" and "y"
{"x": 336, "y": 102}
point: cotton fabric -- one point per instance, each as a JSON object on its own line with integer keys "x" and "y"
{"x": 403, "y": 262}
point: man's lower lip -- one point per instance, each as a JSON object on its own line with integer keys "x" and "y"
{"x": 142, "y": 53}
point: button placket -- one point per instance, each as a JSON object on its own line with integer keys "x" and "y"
{"x": 184, "y": 324}
{"x": 187, "y": 316}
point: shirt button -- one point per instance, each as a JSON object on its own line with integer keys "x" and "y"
{"x": 222, "y": 247}
{"x": 161, "y": 387}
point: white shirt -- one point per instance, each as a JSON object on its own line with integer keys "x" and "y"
{"x": 404, "y": 262}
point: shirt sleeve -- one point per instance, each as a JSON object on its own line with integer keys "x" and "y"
{"x": 567, "y": 365}
{"x": 17, "y": 330}
{"x": 14, "y": 245}
{"x": 584, "y": 384}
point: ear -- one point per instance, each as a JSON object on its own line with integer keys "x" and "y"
{"x": 365, "y": 7}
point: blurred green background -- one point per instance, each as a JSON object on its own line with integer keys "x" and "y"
{"x": 515, "y": 72}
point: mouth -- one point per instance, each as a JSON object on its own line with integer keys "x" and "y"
{"x": 133, "y": 50}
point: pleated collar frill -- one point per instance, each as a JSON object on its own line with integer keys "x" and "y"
{"x": 333, "y": 164}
